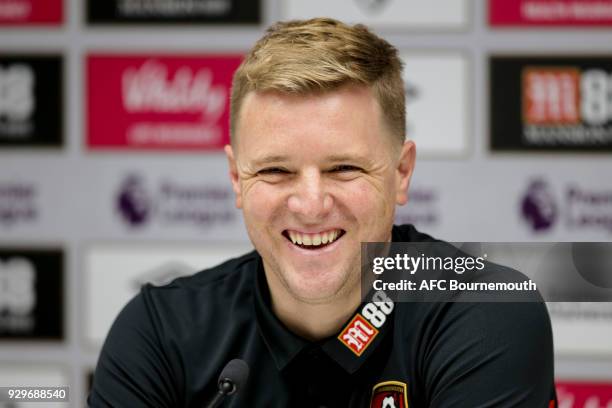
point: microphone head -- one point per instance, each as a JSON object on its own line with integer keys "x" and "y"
{"x": 235, "y": 372}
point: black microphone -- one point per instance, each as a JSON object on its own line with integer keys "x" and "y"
{"x": 231, "y": 380}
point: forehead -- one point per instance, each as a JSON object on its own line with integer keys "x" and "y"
{"x": 333, "y": 119}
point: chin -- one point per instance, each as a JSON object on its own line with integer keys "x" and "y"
{"x": 313, "y": 297}
{"x": 315, "y": 287}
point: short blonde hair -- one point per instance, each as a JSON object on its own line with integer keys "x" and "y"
{"x": 320, "y": 55}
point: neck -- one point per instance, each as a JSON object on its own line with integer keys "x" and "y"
{"x": 310, "y": 320}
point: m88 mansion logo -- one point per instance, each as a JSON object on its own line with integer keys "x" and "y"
{"x": 31, "y": 97}
{"x": 365, "y": 326}
{"x": 561, "y": 103}
{"x": 31, "y": 294}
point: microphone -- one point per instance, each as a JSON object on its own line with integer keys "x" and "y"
{"x": 232, "y": 378}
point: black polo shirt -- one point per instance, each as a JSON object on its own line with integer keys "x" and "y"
{"x": 169, "y": 344}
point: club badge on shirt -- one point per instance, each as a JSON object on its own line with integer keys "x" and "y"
{"x": 390, "y": 394}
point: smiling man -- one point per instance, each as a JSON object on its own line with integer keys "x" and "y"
{"x": 309, "y": 198}
{"x": 318, "y": 162}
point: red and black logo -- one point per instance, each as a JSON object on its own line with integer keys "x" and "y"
{"x": 31, "y": 294}
{"x": 358, "y": 334}
{"x": 390, "y": 394}
{"x": 31, "y": 101}
{"x": 173, "y": 12}
{"x": 556, "y": 103}
{"x": 364, "y": 326}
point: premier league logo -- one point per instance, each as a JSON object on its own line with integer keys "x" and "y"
{"x": 538, "y": 206}
{"x": 389, "y": 394}
{"x": 133, "y": 201}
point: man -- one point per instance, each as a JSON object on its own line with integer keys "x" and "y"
{"x": 318, "y": 161}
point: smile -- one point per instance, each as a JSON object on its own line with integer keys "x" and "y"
{"x": 315, "y": 240}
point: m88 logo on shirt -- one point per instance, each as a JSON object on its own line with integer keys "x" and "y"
{"x": 363, "y": 327}
{"x": 389, "y": 394}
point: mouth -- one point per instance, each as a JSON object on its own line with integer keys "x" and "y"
{"x": 313, "y": 241}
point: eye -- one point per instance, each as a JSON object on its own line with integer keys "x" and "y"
{"x": 345, "y": 168}
{"x": 273, "y": 170}
{"x": 345, "y": 172}
{"x": 273, "y": 174}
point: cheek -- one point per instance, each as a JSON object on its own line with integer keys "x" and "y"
{"x": 368, "y": 199}
{"x": 261, "y": 203}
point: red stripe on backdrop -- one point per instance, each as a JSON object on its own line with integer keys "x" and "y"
{"x": 579, "y": 13}
{"x": 31, "y": 12}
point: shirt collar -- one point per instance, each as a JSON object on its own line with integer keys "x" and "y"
{"x": 285, "y": 346}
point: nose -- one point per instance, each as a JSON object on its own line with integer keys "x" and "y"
{"x": 309, "y": 200}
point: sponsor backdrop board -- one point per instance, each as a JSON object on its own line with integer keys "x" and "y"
{"x": 34, "y": 207}
{"x": 118, "y": 197}
{"x": 19, "y": 204}
{"x": 31, "y": 100}
{"x": 551, "y": 104}
{"x": 31, "y": 294}
{"x": 159, "y": 102}
{"x": 582, "y": 328}
{"x": 584, "y": 394}
{"x": 176, "y": 201}
{"x": 530, "y": 202}
{"x": 112, "y": 124}
{"x": 173, "y": 11}
{"x": 547, "y": 13}
{"x": 17, "y": 13}
{"x": 401, "y": 14}
{"x": 437, "y": 102}
{"x": 114, "y": 273}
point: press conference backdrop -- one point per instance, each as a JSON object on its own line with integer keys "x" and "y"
{"x": 113, "y": 115}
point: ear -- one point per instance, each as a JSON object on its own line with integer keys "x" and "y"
{"x": 233, "y": 172}
{"x": 403, "y": 173}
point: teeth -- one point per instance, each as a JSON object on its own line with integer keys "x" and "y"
{"x": 313, "y": 239}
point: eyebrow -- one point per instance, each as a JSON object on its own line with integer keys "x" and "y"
{"x": 334, "y": 158}
{"x": 346, "y": 157}
{"x": 270, "y": 159}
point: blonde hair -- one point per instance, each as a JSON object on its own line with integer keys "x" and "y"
{"x": 320, "y": 55}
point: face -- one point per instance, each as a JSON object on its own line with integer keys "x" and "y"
{"x": 315, "y": 176}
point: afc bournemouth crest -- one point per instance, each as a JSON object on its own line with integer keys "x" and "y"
{"x": 390, "y": 394}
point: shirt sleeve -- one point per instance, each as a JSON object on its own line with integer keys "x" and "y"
{"x": 133, "y": 369}
{"x": 490, "y": 355}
